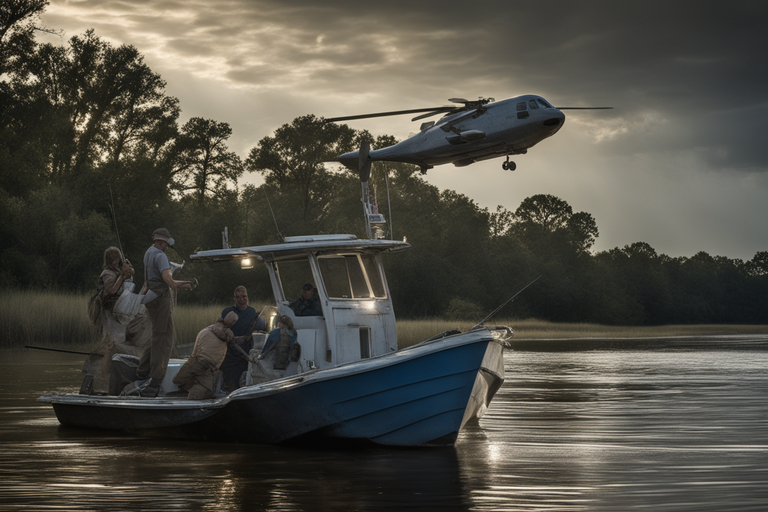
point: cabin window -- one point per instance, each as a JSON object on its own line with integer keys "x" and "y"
{"x": 365, "y": 342}
{"x": 371, "y": 266}
{"x": 293, "y": 275}
{"x": 521, "y": 106}
{"x": 532, "y": 104}
{"x": 544, "y": 104}
{"x": 351, "y": 276}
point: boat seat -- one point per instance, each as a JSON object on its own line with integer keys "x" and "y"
{"x": 302, "y": 322}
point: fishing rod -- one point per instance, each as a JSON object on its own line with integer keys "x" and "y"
{"x": 273, "y": 216}
{"x": 59, "y": 350}
{"x": 480, "y": 324}
{"x": 114, "y": 219}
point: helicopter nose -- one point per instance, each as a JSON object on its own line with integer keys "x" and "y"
{"x": 556, "y": 120}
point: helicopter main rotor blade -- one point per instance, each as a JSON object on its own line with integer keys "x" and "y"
{"x": 384, "y": 114}
{"x": 435, "y": 112}
{"x": 583, "y": 108}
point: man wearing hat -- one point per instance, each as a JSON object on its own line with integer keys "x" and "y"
{"x": 307, "y": 304}
{"x": 158, "y": 283}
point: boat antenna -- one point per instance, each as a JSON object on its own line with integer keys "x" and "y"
{"x": 389, "y": 203}
{"x": 114, "y": 219}
{"x": 273, "y": 216}
{"x": 480, "y": 324}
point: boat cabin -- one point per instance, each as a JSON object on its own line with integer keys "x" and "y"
{"x": 357, "y": 320}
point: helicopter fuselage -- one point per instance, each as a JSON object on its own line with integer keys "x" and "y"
{"x": 507, "y": 127}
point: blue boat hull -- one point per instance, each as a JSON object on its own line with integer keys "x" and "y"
{"x": 418, "y": 396}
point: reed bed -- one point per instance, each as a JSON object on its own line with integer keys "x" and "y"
{"x": 59, "y": 320}
{"x": 49, "y": 319}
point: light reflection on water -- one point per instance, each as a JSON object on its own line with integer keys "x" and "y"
{"x": 663, "y": 428}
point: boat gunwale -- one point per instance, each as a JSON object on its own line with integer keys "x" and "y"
{"x": 278, "y": 385}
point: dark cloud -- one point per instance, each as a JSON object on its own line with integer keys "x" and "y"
{"x": 687, "y": 81}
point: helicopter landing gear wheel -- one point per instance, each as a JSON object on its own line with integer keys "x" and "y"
{"x": 509, "y": 166}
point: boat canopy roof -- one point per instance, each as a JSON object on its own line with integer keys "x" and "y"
{"x": 299, "y": 246}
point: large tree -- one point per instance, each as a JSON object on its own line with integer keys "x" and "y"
{"x": 541, "y": 216}
{"x": 204, "y": 163}
{"x": 293, "y": 159}
{"x": 98, "y": 99}
{"x": 18, "y": 19}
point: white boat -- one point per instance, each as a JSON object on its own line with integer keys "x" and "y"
{"x": 351, "y": 381}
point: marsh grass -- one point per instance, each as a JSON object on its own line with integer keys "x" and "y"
{"x": 46, "y": 319}
{"x": 59, "y": 320}
{"x": 189, "y": 319}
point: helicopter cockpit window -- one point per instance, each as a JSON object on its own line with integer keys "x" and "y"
{"x": 351, "y": 276}
{"x": 543, "y": 103}
{"x": 522, "y": 112}
{"x": 532, "y": 104}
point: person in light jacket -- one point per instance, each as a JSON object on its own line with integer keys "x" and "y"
{"x": 197, "y": 374}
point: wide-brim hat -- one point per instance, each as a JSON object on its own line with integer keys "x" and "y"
{"x": 164, "y": 235}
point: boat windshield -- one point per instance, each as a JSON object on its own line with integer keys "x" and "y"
{"x": 293, "y": 275}
{"x": 351, "y": 276}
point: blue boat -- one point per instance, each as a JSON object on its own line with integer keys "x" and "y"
{"x": 350, "y": 380}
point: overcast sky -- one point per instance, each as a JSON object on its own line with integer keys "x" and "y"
{"x": 680, "y": 163}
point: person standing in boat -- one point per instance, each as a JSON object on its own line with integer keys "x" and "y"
{"x": 281, "y": 341}
{"x": 197, "y": 375}
{"x": 158, "y": 284}
{"x": 115, "y": 272}
{"x": 307, "y": 304}
{"x": 248, "y": 321}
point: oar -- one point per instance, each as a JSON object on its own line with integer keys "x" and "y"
{"x": 249, "y": 358}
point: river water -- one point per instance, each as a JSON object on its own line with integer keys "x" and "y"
{"x": 677, "y": 424}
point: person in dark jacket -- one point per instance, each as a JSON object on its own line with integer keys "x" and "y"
{"x": 248, "y": 321}
{"x": 307, "y": 304}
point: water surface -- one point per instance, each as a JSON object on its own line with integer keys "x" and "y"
{"x": 662, "y": 425}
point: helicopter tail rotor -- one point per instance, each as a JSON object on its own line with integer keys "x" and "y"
{"x": 364, "y": 162}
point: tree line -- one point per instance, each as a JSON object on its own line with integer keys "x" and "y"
{"x": 91, "y": 146}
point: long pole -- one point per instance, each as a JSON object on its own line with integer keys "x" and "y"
{"x": 59, "y": 350}
{"x": 114, "y": 218}
{"x": 480, "y": 324}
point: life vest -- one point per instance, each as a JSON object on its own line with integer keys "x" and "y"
{"x": 282, "y": 350}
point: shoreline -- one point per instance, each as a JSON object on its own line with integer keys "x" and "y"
{"x": 533, "y": 330}
{"x": 687, "y": 342}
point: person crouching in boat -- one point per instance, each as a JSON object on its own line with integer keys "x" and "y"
{"x": 197, "y": 374}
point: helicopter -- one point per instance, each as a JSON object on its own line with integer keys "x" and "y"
{"x": 468, "y": 132}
